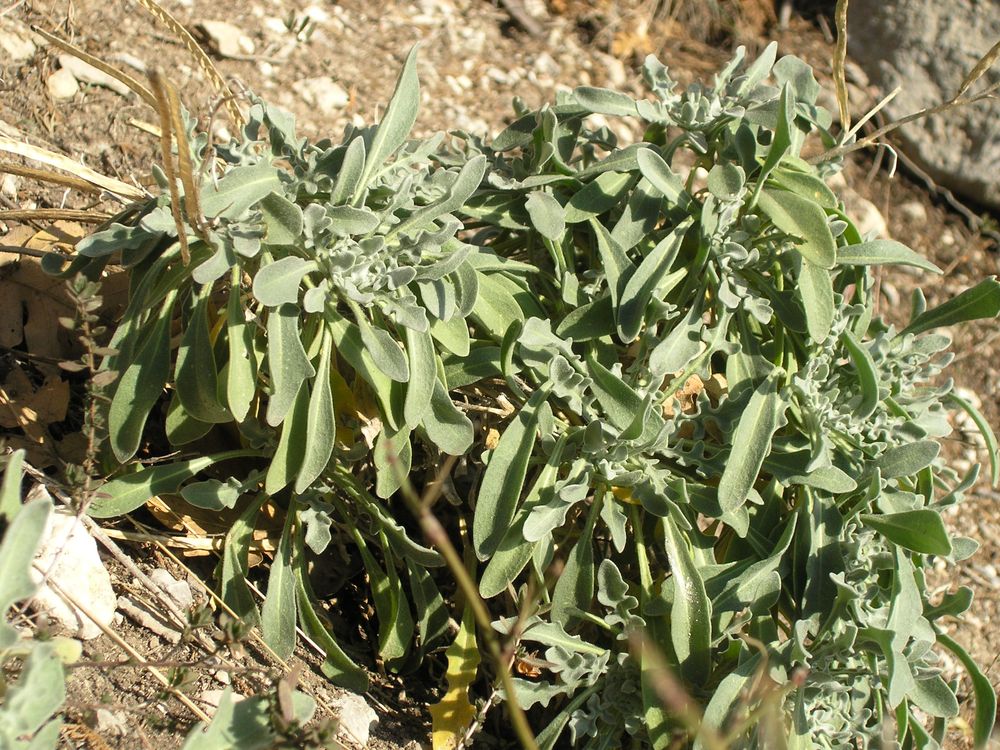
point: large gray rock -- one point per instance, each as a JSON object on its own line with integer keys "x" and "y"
{"x": 928, "y": 47}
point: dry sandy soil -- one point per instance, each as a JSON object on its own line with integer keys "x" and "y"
{"x": 475, "y": 55}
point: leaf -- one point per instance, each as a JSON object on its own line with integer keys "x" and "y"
{"x": 806, "y": 184}
{"x": 277, "y": 616}
{"x": 17, "y": 550}
{"x": 384, "y": 351}
{"x": 196, "y": 377}
{"x": 282, "y": 219}
{"x": 337, "y": 666}
{"x": 907, "y": 460}
{"x": 982, "y": 301}
{"x": 10, "y": 487}
{"x": 867, "y": 375}
{"x": 615, "y": 263}
{"x": 504, "y": 477}
{"x": 725, "y": 697}
{"x": 235, "y": 564}
{"x": 446, "y": 426}
{"x": 574, "y": 589}
{"x": 816, "y": 291}
{"x": 351, "y": 169}
{"x": 452, "y": 716}
{"x": 288, "y": 454}
{"x": 423, "y": 376}
{"x": 321, "y": 432}
{"x": 211, "y": 494}
{"x": 590, "y": 321}
{"x": 141, "y": 384}
{"x": 644, "y": 281}
{"x": 277, "y": 283}
{"x": 496, "y": 309}
{"x": 933, "y": 696}
{"x": 804, "y": 220}
{"x": 241, "y": 187}
{"x": 691, "y": 612}
{"x": 126, "y": 493}
{"x": 781, "y": 139}
{"x": 918, "y": 530}
{"x": 751, "y": 443}
{"x": 663, "y": 178}
{"x": 286, "y": 361}
{"x": 989, "y": 437}
{"x": 547, "y": 215}
{"x": 883, "y": 252}
{"x": 452, "y": 334}
{"x": 465, "y": 184}
{"x": 31, "y": 701}
{"x": 597, "y": 196}
{"x": 605, "y": 101}
{"x": 399, "y": 117}
{"x": 986, "y": 698}
{"x": 241, "y": 372}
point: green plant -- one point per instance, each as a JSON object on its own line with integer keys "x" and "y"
{"x": 714, "y": 439}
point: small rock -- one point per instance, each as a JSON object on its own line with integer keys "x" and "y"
{"x": 615, "y": 69}
{"x": 9, "y": 185}
{"x": 16, "y": 41}
{"x": 62, "y": 85}
{"x": 68, "y": 555}
{"x": 323, "y": 93}
{"x": 356, "y": 717}
{"x": 226, "y": 39}
{"x": 546, "y": 65}
{"x": 914, "y": 212}
{"x": 86, "y": 73}
{"x": 179, "y": 591}
{"x": 867, "y": 217}
{"x": 109, "y": 723}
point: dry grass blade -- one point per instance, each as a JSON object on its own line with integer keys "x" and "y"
{"x": 985, "y": 63}
{"x": 46, "y": 176}
{"x": 95, "y": 62}
{"x": 839, "y": 65}
{"x": 52, "y": 159}
{"x": 55, "y": 214}
{"x": 156, "y": 79}
{"x": 203, "y": 61}
{"x": 191, "y": 202}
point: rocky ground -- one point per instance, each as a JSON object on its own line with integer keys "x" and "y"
{"x": 335, "y": 63}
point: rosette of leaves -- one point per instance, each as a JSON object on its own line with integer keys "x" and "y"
{"x": 713, "y": 410}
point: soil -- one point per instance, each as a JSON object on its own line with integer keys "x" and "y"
{"x": 474, "y": 56}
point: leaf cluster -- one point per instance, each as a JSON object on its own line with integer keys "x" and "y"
{"x": 714, "y": 438}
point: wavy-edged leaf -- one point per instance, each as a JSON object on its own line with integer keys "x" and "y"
{"x": 454, "y": 713}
